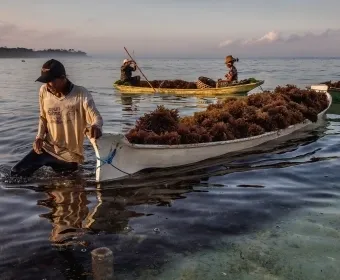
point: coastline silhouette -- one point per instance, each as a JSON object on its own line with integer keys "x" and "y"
{"x": 30, "y": 53}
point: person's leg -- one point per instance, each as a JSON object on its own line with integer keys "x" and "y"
{"x": 61, "y": 166}
{"x": 29, "y": 164}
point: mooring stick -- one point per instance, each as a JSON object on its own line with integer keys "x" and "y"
{"x": 102, "y": 264}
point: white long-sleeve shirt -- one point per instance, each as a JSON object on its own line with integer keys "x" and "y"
{"x": 63, "y": 122}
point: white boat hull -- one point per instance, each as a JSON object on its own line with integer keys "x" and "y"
{"x": 118, "y": 159}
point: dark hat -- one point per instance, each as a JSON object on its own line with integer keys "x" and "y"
{"x": 51, "y": 70}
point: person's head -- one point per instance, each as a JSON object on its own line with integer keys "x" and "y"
{"x": 54, "y": 75}
{"x": 125, "y": 61}
{"x": 229, "y": 61}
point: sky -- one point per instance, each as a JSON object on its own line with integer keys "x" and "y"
{"x": 175, "y": 28}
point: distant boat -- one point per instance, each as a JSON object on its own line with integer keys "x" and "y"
{"x": 231, "y": 89}
{"x": 23, "y": 60}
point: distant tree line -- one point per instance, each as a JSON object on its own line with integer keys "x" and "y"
{"x": 24, "y": 53}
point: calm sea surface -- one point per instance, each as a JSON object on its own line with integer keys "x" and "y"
{"x": 274, "y": 214}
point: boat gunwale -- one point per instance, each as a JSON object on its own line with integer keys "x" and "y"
{"x": 334, "y": 89}
{"x": 120, "y": 87}
{"x": 126, "y": 142}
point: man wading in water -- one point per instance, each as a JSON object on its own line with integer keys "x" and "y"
{"x": 65, "y": 111}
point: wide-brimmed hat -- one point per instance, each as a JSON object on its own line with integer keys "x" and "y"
{"x": 125, "y": 60}
{"x": 52, "y": 69}
{"x": 229, "y": 59}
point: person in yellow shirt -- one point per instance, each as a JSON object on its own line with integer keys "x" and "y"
{"x": 67, "y": 112}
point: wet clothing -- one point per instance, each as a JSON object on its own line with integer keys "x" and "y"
{"x": 63, "y": 121}
{"x": 62, "y": 125}
{"x": 126, "y": 74}
{"x": 233, "y": 73}
{"x": 33, "y": 161}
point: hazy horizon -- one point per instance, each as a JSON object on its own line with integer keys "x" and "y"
{"x": 175, "y": 29}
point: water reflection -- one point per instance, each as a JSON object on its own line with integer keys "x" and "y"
{"x": 72, "y": 214}
{"x": 69, "y": 209}
{"x": 78, "y": 209}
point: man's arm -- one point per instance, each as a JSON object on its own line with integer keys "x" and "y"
{"x": 93, "y": 116}
{"x": 42, "y": 126}
{"x": 123, "y": 67}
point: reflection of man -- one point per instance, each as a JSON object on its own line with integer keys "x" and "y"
{"x": 126, "y": 70}
{"x": 68, "y": 212}
{"x": 65, "y": 112}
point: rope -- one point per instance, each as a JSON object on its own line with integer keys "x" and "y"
{"x": 109, "y": 159}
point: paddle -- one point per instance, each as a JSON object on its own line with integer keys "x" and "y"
{"x": 139, "y": 69}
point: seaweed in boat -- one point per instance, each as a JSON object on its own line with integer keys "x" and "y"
{"x": 231, "y": 118}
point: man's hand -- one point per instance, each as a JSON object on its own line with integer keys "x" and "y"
{"x": 37, "y": 145}
{"x": 95, "y": 132}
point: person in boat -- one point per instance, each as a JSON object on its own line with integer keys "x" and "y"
{"x": 126, "y": 70}
{"x": 231, "y": 76}
{"x": 67, "y": 112}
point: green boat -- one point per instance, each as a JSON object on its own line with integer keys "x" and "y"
{"x": 335, "y": 93}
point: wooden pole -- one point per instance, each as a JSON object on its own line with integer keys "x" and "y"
{"x": 140, "y": 70}
{"x": 102, "y": 264}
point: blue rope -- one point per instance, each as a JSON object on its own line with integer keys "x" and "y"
{"x": 109, "y": 159}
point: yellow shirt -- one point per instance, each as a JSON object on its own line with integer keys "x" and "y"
{"x": 63, "y": 122}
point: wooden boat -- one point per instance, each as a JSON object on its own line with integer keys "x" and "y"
{"x": 117, "y": 158}
{"x": 335, "y": 93}
{"x": 233, "y": 89}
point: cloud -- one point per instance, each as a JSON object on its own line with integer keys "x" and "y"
{"x": 276, "y": 37}
{"x": 268, "y": 38}
{"x": 276, "y": 43}
{"x": 273, "y": 43}
{"x": 12, "y": 35}
{"x": 145, "y": 44}
{"x": 226, "y": 43}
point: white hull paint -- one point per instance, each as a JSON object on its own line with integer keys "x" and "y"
{"x": 118, "y": 159}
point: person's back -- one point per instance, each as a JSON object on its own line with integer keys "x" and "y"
{"x": 126, "y": 73}
{"x": 126, "y": 70}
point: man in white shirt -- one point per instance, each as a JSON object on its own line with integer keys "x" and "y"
{"x": 67, "y": 111}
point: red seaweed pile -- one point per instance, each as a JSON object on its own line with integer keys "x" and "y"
{"x": 333, "y": 85}
{"x": 230, "y": 119}
{"x": 173, "y": 84}
{"x": 181, "y": 84}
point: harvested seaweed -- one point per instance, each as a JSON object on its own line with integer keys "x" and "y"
{"x": 332, "y": 84}
{"x": 230, "y": 119}
{"x": 181, "y": 84}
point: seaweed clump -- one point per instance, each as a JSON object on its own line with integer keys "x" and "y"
{"x": 181, "y": 84}
{"x": 172, "y": 84}
{"x": 231, "y": 118}
{"x": 332, "y": 84}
